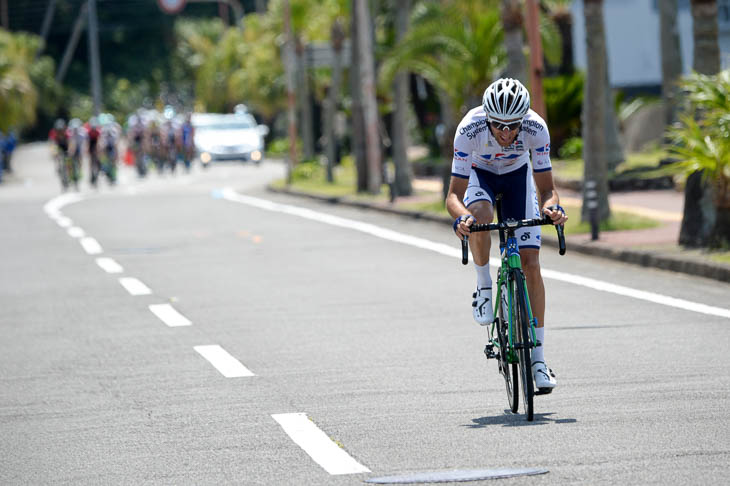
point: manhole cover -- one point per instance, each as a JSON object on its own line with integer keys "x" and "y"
{"x": 456, "y": 476}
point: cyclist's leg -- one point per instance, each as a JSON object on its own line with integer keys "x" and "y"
{"x": 478, "y": 199}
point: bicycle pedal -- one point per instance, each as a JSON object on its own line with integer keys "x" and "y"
{"x": 543, "y": 391}
{"x": 489, "y": 351}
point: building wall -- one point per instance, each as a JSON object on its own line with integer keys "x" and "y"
{"x": 632, "y": 37}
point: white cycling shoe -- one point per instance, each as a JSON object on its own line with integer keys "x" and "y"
{"x": 544, "y": 377}
{"x": 482, "y": 304}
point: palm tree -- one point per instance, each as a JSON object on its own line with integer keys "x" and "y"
{"x": 558, "y": 11}
{"x": 403, "y": 173}
{"x": 594, "y": 117}
{"x": 513, "y": 23}
{"x": 457, "y": 47}
{"x": 671, "y": 57}
{"x": 18, "y": 95}
{"x": 699, "y": 211}
{"x": 373, "y": 153}
{"x": 702, "y": 141}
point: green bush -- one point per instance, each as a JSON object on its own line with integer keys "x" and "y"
{"x": 571, "y": 149}
{"x": 564, "y": 102}
{"x": 307, "y": 170}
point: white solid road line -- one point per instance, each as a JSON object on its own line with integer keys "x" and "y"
{"x": 167, "y": 314}
{"x": 134, "y": 286}
{"x": 91, "y": 246}
{"x": 228, "y": 366}
{"x": 75, "y": 232}
{"x": 109, "y": 265}
{"x": 452, "y": 251}
{"x": 321, "y": 448}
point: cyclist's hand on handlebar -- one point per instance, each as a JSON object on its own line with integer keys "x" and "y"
{"x": 556, "y": 213}
{"x": 462, "y": 223}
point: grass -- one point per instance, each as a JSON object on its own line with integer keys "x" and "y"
{"x": 619, "y": 221}
{"x": 573, "y": 168}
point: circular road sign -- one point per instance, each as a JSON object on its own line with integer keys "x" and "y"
{"x": 171, "y": 6}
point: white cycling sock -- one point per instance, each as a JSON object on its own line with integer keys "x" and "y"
{"x": 484, "y": 279}
{"x": 538, "y": 353}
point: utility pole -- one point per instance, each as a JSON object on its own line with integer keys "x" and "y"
{"x": 291, "y": 99}
{"x": 94, "y": 62}
{"x": 4, "y": 14}
{"x": 537, "y": 100}
{"x": 72, "y": 42}
{"x": 47, "y": 19}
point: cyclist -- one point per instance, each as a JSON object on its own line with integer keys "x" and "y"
{"x": 59, "y": 136}
{"x": 503, "y": 147}
{"x": 92, "y": 134}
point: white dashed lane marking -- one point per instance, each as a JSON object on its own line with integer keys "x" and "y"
{"x": 109, "y": 265}
{"x": 228, "y": 366}
{"x": 320, "y": 448}
{"x": 91, "y": 246}
{"x": 167, "y": 314}
{"x": 134, "y": 286}
{"x": 76, "y": 232}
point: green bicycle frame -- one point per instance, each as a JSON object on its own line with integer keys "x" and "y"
{"x": 510, "y": 263}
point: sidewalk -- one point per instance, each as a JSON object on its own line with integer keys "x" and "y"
{"x": 653, "y": 247}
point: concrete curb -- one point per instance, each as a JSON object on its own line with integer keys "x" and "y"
{"x": 637, "y": 257}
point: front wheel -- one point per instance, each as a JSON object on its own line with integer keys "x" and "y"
{"x": 507, "y": 366}
{"x": 524, "y": 345}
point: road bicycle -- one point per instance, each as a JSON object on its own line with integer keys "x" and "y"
{"x": 512, "y": 333}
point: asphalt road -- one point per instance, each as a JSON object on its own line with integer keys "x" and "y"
{"x": 283, "y": 322}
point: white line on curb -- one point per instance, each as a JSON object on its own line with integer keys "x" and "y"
{"x": 134, "y": 286}
{"x": 75, "y": 232}
{"x": 91, "y": 246}
{"x": 167, "y": 314}
{"x": 109, "y": 265}
{"x": 321, "y": 448}
{"x": 228, "y": 366}
{"x": 452, "y": 251}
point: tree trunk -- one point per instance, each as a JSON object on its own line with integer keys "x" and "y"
{"x": 304, "y": 99}
{"x": 337, "y": 38}
{"x": 512, "y": 22}
{"x": 700, "y": 214}
{"x": 671, "y": 58}
{"x": 369, "y": 103}
{"x": 564, "y": 21}
{"x": 594, "y": 106}
{"x": 704, "y": 31}
{"x": 358, "y": 124}
{"x": 403, "y": 172}
{"x": 614, "y": 149}
{"x": 446, "y": 140}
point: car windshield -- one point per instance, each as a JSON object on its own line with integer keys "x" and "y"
{"x": 239, "y": 125}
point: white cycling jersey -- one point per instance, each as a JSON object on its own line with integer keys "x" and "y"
{"x": 476, "y": 147}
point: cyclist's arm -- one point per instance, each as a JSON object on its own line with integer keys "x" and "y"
{"x": 460, "y": 171}
{"x": 549, "y": 196}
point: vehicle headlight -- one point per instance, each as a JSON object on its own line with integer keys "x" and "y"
{"x": 205, "y": 157}
{"x": 256, "y": 155}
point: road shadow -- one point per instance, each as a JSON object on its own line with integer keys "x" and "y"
{"x": 509, "y": 419}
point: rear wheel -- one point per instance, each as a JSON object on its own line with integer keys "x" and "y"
{"x": 524, "y": 345}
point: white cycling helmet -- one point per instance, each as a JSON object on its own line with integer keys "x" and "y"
{"x": 506, "y": 99}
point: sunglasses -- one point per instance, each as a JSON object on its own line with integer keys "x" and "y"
{"x": 509, "y": 126}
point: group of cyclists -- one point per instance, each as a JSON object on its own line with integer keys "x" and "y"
{"x": 161, "y": 141}
{"x": 97, "y": 139}
{"x": 148, "y": 139}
